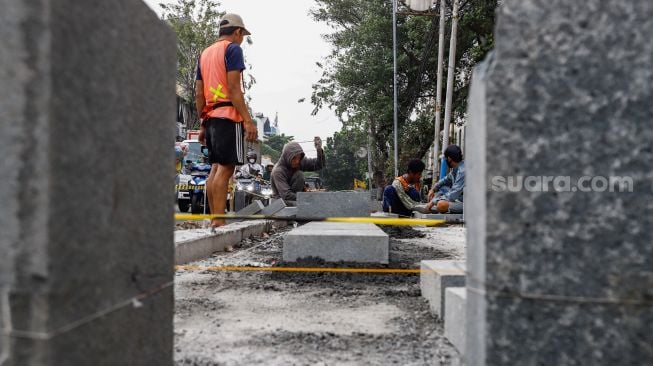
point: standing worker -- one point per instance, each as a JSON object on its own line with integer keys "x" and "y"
{"x": 220, "y": 102}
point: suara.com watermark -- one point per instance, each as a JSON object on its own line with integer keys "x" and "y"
{"x": 561, "y": 184}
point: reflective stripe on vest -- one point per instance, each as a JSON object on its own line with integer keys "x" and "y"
{"x": 216, "y": 88}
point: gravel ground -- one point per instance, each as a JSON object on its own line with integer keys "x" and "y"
{"x": 281, "y": 318}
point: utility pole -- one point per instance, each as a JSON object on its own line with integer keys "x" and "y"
{"x": 438, "y": 102}
{"x": 394, "y": 52}
{"x": 450, "y": 80}
{"x": 369, "y": 158}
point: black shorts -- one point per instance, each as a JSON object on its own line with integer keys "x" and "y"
{"x": 225, "y": 141}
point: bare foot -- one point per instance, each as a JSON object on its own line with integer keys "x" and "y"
{"x": 217, "y": 223}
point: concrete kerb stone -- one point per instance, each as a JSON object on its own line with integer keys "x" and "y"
{"x": 332, "y": 204}
{"x": 453, "y": 218}
{"x": 287, "y": 212}
{"x": 274, "y": 207}
{"x": 251, "y": 209}
{"x": 455, "y": 318}
{"x": 436, "y": 276}
{"x": 384, "y": 214}
{"x": 335, "y": 242}
{"x": 197, "y": 244}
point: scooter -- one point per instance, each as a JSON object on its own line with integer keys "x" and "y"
{"x": 252, "y": 189}
{"x": 197, "y": 188}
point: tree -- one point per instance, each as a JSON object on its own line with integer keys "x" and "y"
{"x": 197, "y": 24}
{"x": 343, "y": 163}
{"x": 276, "y": 142}
{"x": 273, "y": 154}
{"x": 357, "y": 76}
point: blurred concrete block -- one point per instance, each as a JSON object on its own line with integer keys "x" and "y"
{"x": 454, "y": 320}
{"x": 436, "y": 277}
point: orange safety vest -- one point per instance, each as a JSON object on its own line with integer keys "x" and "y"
{"x": 213, "y": 67}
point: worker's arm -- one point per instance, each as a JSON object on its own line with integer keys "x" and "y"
{"x": 444, "y": 182}
{"x": 457, "y": 187}
{"x": 238, "y": 100}
{"x": 314, "y": 164}
{"x": 403, "y": 196}
{"x": 200, "y": 103}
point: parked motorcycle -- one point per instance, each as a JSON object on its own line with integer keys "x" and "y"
{"x": 191, "y": 193}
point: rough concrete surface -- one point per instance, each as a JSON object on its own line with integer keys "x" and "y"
{"x": 244, "y": 318}
{"x": 562, "y": 274}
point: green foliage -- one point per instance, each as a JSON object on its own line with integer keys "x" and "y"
{"x": 358, "y": 75}
{"x": 278, "y": 141}
{"x": 196, "y": 24}
{"x": 272, "y": 153}
{"x": 343, "y": 165}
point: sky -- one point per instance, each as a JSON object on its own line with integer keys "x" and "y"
{"x": 286, "y": 45}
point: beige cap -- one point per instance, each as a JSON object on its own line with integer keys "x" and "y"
{"x": 234, "y": 20}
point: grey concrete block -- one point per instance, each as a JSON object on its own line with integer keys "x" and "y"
{"x": 333, "y": 204}
{"x": 287, "y": 212}
{"x": 274, "y": 207}
{"x": 454, "y": 322}
{"x": 335, "y": 242}
{"x": 88, "y": 109}
{"x": 384, "y": 214}
{"x": 193, "y": 245}
{"x": 559, "y": 81}
{"x": 453, "y": 218}
{"x": 435, "y": 277}
{"x": 252, "y": 209}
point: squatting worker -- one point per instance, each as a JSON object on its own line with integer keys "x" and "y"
{"x": 402, "y": 197}
{"x": 447, "y": 195}
{"x": 287, "y": 177}
{"x": 226, "y": 121}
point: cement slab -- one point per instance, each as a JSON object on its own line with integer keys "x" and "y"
{"x": 196, "y": 244}
{"x": 251, "y": 209}
{"x": 333, "y": 204}
{"x": 455, "y": 318}
{"x": 336, "y": 242}
{"x": 446, "y": 217}
{"x": 384, "y": 214}
{"x": 436, "y": 277}
{"x": 274, "y": 207}
{"x": 287, "y": 212}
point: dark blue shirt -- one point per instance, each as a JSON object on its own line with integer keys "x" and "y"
{"x": 233, "y": 59}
